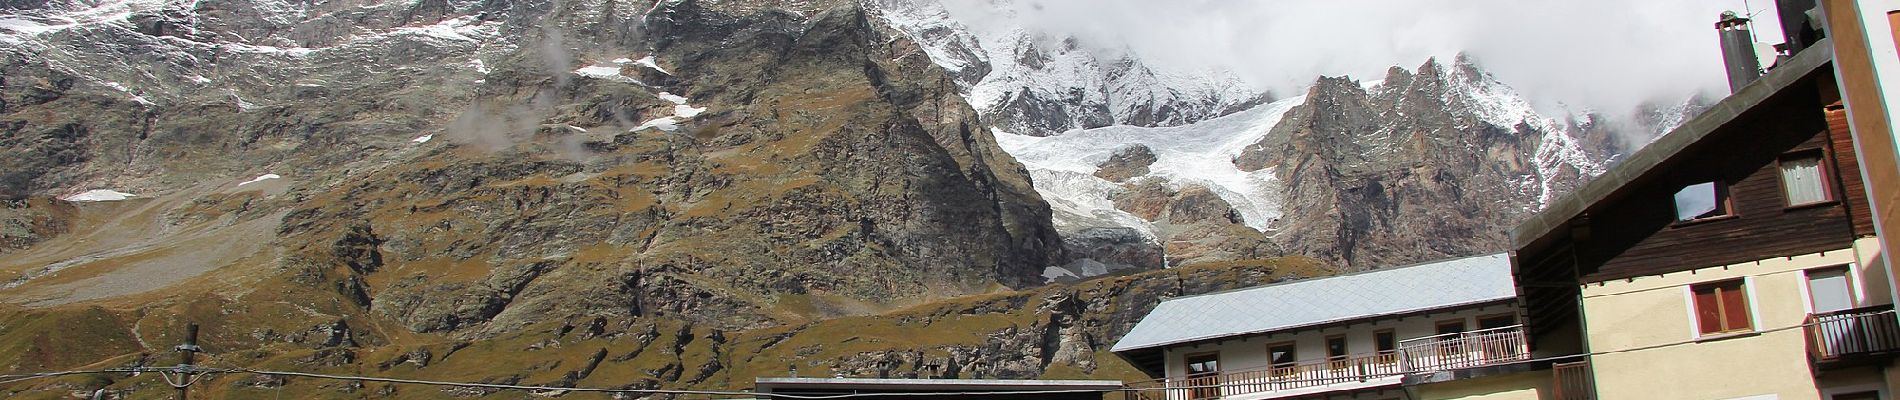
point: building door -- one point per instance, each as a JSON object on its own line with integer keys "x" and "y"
{"x": 1497, "y": 344}
{"x": 1450, "y": 344}
{"x": 1203, "y": 375}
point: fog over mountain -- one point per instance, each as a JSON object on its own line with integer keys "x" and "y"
{"x": 1607, "y": 55}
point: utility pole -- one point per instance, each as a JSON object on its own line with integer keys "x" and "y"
{"x": 185, "y": 352}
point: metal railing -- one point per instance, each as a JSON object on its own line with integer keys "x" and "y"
{"x": 1847, "y": 333}
{"x": 1350, "y": 369}
{"x": 1572, "y": 381}
{"x": 1427, "y": 354}
{"x": 1465, "y": 349}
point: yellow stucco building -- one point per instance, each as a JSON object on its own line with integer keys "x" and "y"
{"x": 1735, "y": 257}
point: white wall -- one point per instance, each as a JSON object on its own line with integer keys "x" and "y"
{"x": 1251, "y": 353}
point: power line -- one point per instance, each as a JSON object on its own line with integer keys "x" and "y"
{"x": 11, "y": 378}
{"x": 191, "y": 374}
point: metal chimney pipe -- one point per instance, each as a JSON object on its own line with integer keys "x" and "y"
{"x": 1738, "y": 51}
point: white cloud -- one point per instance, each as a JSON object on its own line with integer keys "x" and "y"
{"x": 1606, "y": 54}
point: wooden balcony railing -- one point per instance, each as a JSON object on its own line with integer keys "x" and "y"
{"x": 1357, "y": 368}
{"x": 1465, "y": 349}
{"x": 1860, "y": 332}
{"x": 1572, "y": 381}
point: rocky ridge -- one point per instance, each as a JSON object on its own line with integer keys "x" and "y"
{"x": 1426, "y": 164}
{"x": 1030, "y": 82}
{"x": 470, "y": 169}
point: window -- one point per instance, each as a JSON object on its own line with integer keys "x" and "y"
{"x": 1803, "y": 179}
{"x": 1496, "y": 344}
{"x": 1385, "y": 340}
{"x": 1497, "y": 321}
{"x": 1203, "y": 373}
{"x": 1451, "y": 326}
{"x": 1336, "y": 350}
{"x": 1282, "y": 354}
{"x": 1867, "y": 395}
{"x": 1829, "y": 290}
{"x": 1451, "y": 342}
{"x": 1702, "y": 200}
{"x": 1336, "y": 346}
{"x": 1721, "y": 307}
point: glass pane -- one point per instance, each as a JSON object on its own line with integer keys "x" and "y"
{"x": 1497, "y": 322}
{"x": 1451, "y": 327}
{"x": 1829, "y": 291}
{"x": 1335, "y": 347}
{"x": 1386, "y": 341}
{"x": 1203, "y": 364}
{"x": 1802, "y": 179}
{"x": 1697, "y": 201}
{"x": 1282, "y": 354}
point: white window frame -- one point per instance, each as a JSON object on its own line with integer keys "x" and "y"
{"x": 1853, "y": 285}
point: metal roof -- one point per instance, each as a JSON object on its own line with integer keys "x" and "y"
{"x": 1282, "y": 306}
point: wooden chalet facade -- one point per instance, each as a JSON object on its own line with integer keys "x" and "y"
{"x": 1732, "y": 258}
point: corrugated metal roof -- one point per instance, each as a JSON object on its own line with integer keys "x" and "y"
{"x": 1281, "y": 306}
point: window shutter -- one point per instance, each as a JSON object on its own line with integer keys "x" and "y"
{"x": 1735, "y": 307}
{"x": 1708, "y": 313}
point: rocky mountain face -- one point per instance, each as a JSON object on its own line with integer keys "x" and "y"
{"x": 1429, "y": 163}
{"x": 315, "y": 176}
{"x": 1056, "y": 331}
{"x": 1426, "y": 164}
{"x": 687, "y": 193}
{"x": 1113, "y": 142}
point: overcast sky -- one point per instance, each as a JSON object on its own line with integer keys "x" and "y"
{"x": 1602, "y": 54}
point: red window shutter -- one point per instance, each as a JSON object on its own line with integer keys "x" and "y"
{"x": 1708, "y": 313}
{"x": 1735, "y": 307}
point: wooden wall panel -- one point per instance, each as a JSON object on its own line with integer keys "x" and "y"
{"x": 1851, "y": 189}
{"x": 1637, "y": 235}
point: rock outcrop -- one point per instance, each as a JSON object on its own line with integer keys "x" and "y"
{"x": 1127, "y": 162}
{"x": 468, "y": 169}
{"x": 1423, "y": 166}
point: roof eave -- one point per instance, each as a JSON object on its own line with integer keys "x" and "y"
{"x": 1642, "y": 163}
{"x": 1452, "y": 306}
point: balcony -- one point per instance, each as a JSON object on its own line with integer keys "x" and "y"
{"x": 1417, "y": 356}
{"x": 1363, "y": 370}
{"x": 1465, "y": 350}
{"x": 1852, "y": 337}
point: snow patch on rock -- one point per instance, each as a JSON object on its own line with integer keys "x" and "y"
{"x": 260, "y": 178}
{"x": 605, "y": 71}
{"x": 648, "y": 62}
{"x": 98, "y": 195}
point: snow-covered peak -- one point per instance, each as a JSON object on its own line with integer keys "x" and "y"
{"x": 1031, "y": 82}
